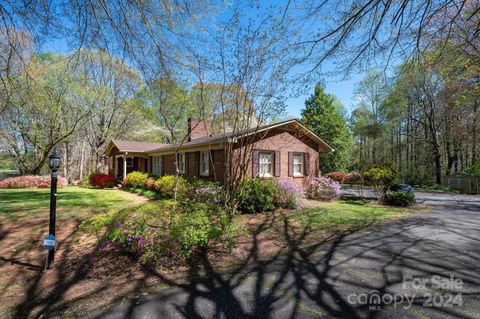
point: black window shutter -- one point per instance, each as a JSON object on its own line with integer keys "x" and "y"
{"x": 197, "y": 158}
{"x": 255, "y": 163}
{"x": 306, "y": 164}
{"x": 163, "y": 165}
{"x": 290, "y": 164}
{"x": 277, "y": 164}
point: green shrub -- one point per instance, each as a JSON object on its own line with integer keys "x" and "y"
{"x": 164, "y": 185}
{"x": 255, "y": 195}
{"x": 163, "y": 231}
{"x": 136, "y": 179}
{"x": 380, "y": 178}
{"x": 198, "y": 224}
{"x": 474, "y": 169}
{"x": 399, "y": 198}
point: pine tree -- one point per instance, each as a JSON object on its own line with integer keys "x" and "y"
{"x": 325, "y": 116}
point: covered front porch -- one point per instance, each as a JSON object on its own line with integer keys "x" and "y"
{"x": 123, "y": 164}
{"x": 128, "y": 156}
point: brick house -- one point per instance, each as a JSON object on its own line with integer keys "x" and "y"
{"x": 285, "y": 150}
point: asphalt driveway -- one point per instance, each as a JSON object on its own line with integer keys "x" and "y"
{"x": 425, "y": 266}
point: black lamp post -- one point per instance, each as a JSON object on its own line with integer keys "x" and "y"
{"x": 54, "y": 164}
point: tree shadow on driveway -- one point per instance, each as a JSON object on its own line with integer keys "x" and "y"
{"x": 324, "y": 280}
{"x": 304, "y": 280}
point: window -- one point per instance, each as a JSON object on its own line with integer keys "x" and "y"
{"x": 265, "y": 164}
{"x": 157, "y": 165}
{"x": 181, "y": 162}
{"x": 204, "y": 163}
{"x": 297, "y": 164}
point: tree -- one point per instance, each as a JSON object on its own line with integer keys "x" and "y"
{"x": 110, "y": 88}
{"x": 46, "y": 110}
{"x": 365, "y": 31}
{"x": 324, "y": 115}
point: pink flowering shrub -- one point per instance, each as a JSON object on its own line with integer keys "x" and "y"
{"x": 336, "y": 176}
{"x": 323, "y": 188}
{"x": 29, "y": 181}
{"x": 288, "y": 195}
{"x": 354, "y": 178}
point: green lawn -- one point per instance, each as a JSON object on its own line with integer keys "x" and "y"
{"x": 347, "y": 214}
{"x": 18, "y": 204}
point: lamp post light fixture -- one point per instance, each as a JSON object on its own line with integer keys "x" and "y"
{"x": 49, "y": 242}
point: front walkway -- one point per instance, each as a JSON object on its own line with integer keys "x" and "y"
{"x": 331, "y": 279}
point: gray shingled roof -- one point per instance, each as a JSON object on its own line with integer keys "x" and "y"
{"x": 135, "y": 146}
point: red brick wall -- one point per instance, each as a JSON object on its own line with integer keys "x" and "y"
{"x": 276, "y": 140}
{"x": 192, "y": 165}
{"x": 285, "y": 142}
{"x": 199, "y": 128}
{"x": 169, "y": 164}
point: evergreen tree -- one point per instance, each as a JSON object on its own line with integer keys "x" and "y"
{"x": 325, "y": 116}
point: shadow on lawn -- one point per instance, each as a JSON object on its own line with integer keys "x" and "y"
{"x": 302, "y": 281}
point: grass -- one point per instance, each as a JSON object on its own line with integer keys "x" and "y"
{"x": 22, "y": 204}
{"x": 151, "y": 194}
{"x": 347, "y": 214}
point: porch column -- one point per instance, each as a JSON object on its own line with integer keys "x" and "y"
{"x": 115, "y": 166}
{"x": 125, "y": 166}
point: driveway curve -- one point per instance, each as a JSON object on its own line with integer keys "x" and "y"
{"x": 424, "y": 266}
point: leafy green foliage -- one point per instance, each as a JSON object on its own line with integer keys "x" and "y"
{"x": 325, "y": 116}
{"x": 256, "y": 195}
{"x": 165, "y": 184}
{"x": 379, "y": 177}
{"x": 163, "y": 231}
{"x": 474, "y": 169}
{"x": 136, "y": 179}
{"x": 399, "y": 198}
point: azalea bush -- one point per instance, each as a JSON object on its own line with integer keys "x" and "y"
{"x": 29, "y": 181}
{"x": 336, "y": 176}
{"x": 102, "y": 180}
{"x": 323, "y": 188}
{"x": 150, "y": 183}
{"x": 353, "y": 178}
{"x": 288, "y": 195}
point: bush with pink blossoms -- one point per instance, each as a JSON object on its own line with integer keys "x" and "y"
{"x": 323, "y": 188}
{"x": 29, "y": 181}
{"x": 336, "y": 176}
{"x": 354, "y": 178}
{"x": 288, "y": 195}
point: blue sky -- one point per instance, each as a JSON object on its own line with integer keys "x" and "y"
{"x": 342, "y": 89}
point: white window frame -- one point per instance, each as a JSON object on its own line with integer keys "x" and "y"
{"x": 157, "y": 162}
{"x": 181, "y": 163}
{"x": 300, "y": 165}
{"x": 204, "y": 162}
{"x": 270, "y": 162}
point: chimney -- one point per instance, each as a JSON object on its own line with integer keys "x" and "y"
{"x": 199, "y": 128}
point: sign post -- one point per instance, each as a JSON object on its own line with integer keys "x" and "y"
{"x": 49, "y": 241}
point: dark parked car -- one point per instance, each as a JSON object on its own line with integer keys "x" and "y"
{"x": 402, "y": 187}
